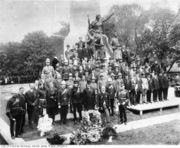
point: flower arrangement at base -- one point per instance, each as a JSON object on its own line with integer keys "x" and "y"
{"x": 91, "y": 128}
{"x": 109, "y": 132}
{"x": 55, "y": 139}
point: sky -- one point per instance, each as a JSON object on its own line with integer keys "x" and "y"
{"x": 19, "y": 17}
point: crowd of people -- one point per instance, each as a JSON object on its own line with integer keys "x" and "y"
{"x": 82, "y": 84}
{"x": 87, "y": 80}
{"x": 18, "y": 79}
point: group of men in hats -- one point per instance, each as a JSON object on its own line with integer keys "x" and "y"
{"x": 85, "y": 83}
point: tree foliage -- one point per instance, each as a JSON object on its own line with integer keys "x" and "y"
{"x": 149, "y": 32}
{"x": 27, "y": 57}
{"x": 123, "y": 22}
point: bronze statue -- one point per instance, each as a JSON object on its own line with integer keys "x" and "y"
{"x": 98, "y": 23}
{"x": 100, "y": 40}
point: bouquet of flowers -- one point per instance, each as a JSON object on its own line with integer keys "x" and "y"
{"x": 91, "y": 128}
{"x": 56, "y": 139}
{"x": 44, "y": 125}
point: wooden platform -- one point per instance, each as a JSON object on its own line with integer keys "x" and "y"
{"x": 156, "y": 105}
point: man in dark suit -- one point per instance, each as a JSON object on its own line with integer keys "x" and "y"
{"x": 65, "y": 72}
{"x": 89, "y": 98}
{"x": 111, "y": 92}
{"x": 160, "y": 77}
{"x": 149, "y": 91}
{"x": 51, "y": 99}
{"x": 123, "y": 99}
{"x": 21, "y": 96}
{"x": 155, "y": 87}
{"x": 54, "y": 62}
{"x": 76, "y": 101}
{"x": 81, "y": 43}
{"x": 103, "y": 104}
{"x": 80, "y": 53}
{"x": 63, "y": 101}
{"x": 15, "y": 110}
{"x": 32, "y": 105}
{"x": 165, "y": 86}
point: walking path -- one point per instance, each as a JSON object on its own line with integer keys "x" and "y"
{"x": 147, "y": 122}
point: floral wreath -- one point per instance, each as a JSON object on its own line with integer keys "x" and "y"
{"x": 91, "y": 117}
{"x": 91, "y": 128}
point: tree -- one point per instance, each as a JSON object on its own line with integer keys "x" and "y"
{"x": 123, "y": 22}
{"x": 28, "y": 57}
{"x": 147, "y": 31}
{"x": 37, "y": 48}
{"x": 154, "y": 41}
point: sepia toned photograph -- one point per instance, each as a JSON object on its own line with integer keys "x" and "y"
{"x": 89, "y": 72}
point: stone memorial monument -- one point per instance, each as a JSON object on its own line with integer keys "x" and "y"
{"x": 78, "y": 20}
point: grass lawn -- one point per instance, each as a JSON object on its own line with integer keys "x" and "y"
{"x": 166, "y": 133}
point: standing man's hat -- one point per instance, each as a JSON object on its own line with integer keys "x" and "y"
{"x": 112, "y": 75}
{"x": 101, "y": 75}
{"x": 65, "y": 63}
{"x": 63, "y": 83}
{"x": 93, "y": 78}
{"x": 119, "y": 74}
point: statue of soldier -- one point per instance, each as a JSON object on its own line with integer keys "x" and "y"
{"x": 99, "y": 38}
{"x": 98, "y": 23}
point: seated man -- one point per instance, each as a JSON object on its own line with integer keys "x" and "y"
{"x": 48, "y": 71}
